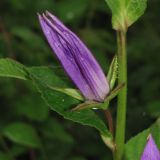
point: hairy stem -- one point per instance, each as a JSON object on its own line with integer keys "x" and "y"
{"x": 122, "y": 96}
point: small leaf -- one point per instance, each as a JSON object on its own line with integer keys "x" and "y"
{"x": 126, "y": 12}
{"x": 22, "y": 133}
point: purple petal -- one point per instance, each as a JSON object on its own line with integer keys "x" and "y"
{"x": 75, "y": 57}
{"x": 151, "y": 151}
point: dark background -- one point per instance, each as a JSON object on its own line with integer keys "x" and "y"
{"x": 21, "y": 39}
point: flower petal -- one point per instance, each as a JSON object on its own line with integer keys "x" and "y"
{"x": 75, "y": 57}
{"x": 67, "y": 62}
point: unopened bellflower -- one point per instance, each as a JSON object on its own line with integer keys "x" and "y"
{"x": 76, "y": 58}
{"x": 151, "y": 151}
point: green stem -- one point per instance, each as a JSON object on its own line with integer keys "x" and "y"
{"x": 122, "y": 96}
{"x": 109, "y": 118}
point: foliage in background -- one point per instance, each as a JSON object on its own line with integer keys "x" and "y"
{"x": 27, "y": 128}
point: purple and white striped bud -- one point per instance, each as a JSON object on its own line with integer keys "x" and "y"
{"x": 76, "y": 58}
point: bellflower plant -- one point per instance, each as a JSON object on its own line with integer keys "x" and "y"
{"x": 96, "y": 90}
{"x": 151, "y": 151}
{"x": 76, "y": 58}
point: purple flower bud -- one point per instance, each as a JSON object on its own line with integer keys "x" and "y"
{"x": 76, "y": 58}
{"x": 151, "y": 151}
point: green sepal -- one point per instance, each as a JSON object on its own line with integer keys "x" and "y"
{"x": 113, "y": 72}
{"x": 98, "y": 105}
{"x": 112, "y": 95}
{"x": 75, "y": 93}
{"x": 87, "y": 105}
{"x": 115, "y": 92}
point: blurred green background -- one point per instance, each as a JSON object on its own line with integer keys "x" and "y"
{"x": 28, "y": 129}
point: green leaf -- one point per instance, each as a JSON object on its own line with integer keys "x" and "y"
{"x": 49, "y": 76}
{"x": 135, "y": 146}
{"x": 46, "y": 79}
{"x": 126, "y": 12}
{"x": 11, "y": 68}
{"x": 22, "y": 133}
{"x": 63, "y": 104}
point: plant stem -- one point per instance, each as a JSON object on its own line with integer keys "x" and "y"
{"x": 109, "y": 118}
{"x": 122, "y": 96}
